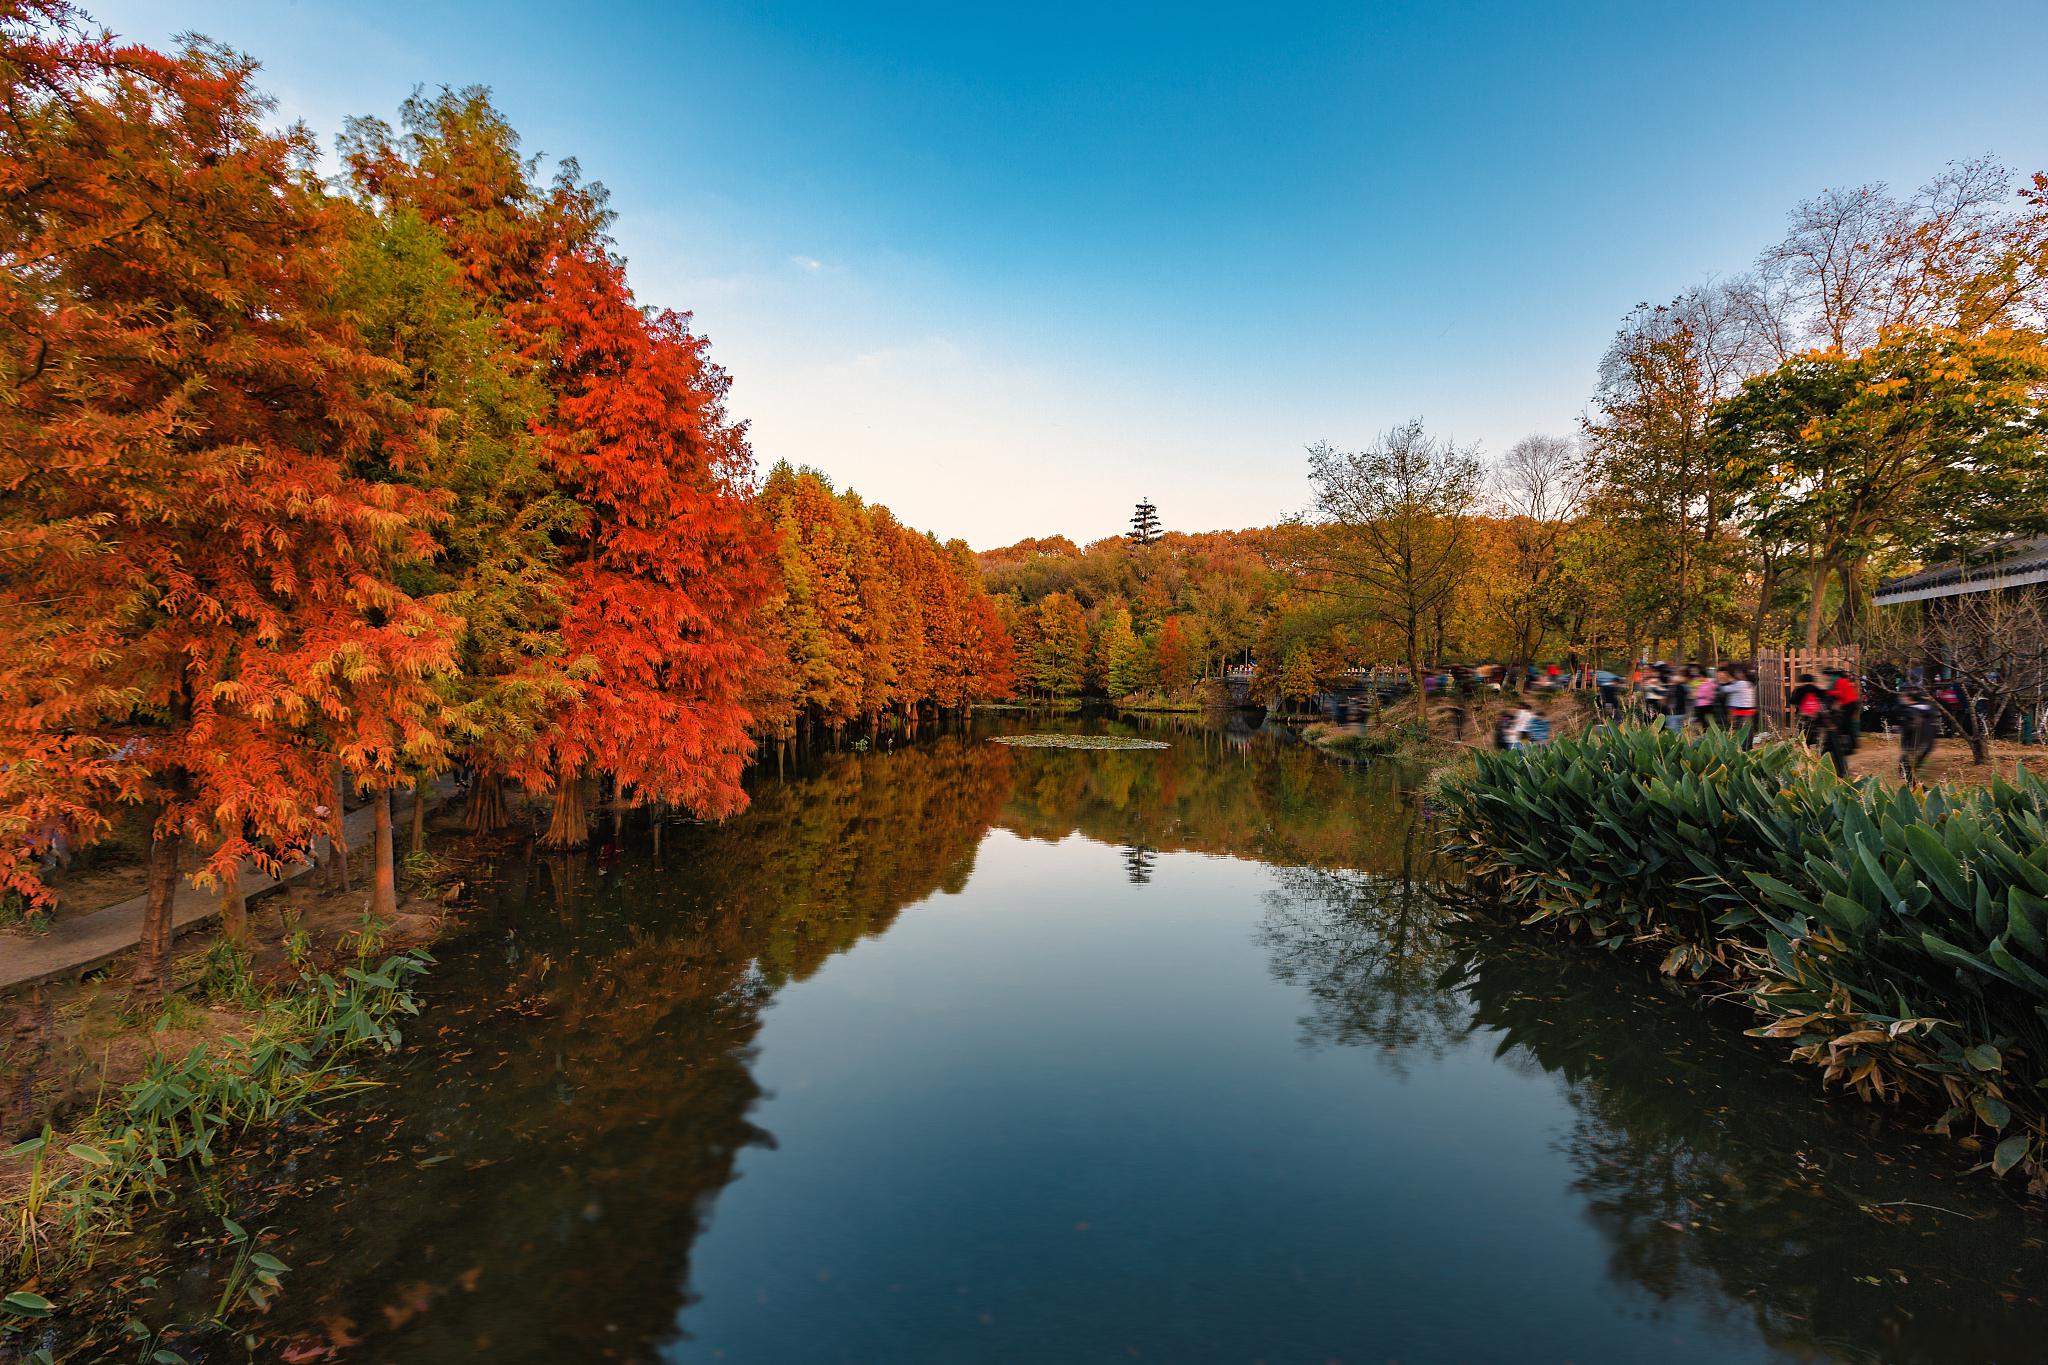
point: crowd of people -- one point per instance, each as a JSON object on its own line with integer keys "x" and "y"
{"x": 1828, "y": 710}
{"x": 1682, "y": 695}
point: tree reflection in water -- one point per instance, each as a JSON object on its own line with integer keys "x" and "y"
{"x": 1718, "y": 1177}
{"x": 1367, "y": 947}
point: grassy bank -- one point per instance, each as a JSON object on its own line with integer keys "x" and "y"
{"x": 115, "y": 1104}
{"x": 1405, "y": 741}
{"x": 269, "y": 1051}
{"x": 1896, "y": 939}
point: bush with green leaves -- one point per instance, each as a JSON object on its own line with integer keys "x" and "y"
{"x": 1896, "y": 938}
{"x": 1625, "y": 834}
{"x": 174, "y": 1113}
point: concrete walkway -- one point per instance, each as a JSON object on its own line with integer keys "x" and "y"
{"x": 76, "y": 944}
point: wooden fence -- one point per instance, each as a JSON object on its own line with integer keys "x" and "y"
{"x": 1778, "y": 672}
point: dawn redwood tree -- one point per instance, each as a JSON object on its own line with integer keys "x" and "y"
{"x": 1060, "y": 657}
{"x": 1120, "y": 658}
{"x": 872, "y": 616}
{"x": 829, "y": 685}
{"x": 909, "y": 560}
{"x": 875, "y": 624}
{"x": 666, "y": 570}
{"x": 197, "y": 605}
{"x": 991, "y": 651}
{"x": 668, "y": 575}
{"x": 1174, "y": 660}
{"x": 496, "y": 565}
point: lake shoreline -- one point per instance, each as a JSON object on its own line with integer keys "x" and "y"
{"x": 1755, "y": 876}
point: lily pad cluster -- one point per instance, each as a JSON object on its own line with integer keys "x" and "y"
{"x": 1080, "y": 742}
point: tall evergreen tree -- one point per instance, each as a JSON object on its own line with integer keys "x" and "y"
{"x": 1144, "y": 524}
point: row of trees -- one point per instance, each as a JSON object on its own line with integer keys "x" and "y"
{"x": 874, "y": 620}
{"x": 1867, "y": 396}
{"x": 1432, "y": 559}
{"x": 1761, "y": 452}
{"x": 321, "y": 483}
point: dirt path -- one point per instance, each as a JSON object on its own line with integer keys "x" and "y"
{"x": 1950, "y": 761}
{"x": 76, "y": 943}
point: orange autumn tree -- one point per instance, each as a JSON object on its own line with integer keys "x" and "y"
{"x": 874, "y": 620}
{"x": 669, "y": 576}
{"x": 819, "y": 601}
{"x": 476, "y": 454}
{"x": 666, "y": 572}
{"x": 977, "y": 661}
{"x": 1173, "y": 655}
{"x": 197, "y": 605}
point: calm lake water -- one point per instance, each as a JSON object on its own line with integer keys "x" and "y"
{"x": 974, "y": 1053}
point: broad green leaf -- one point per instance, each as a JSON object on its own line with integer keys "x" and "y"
{"x": 2009, "y": 1154}
{"x": 1937, "y": 864}
{"x": 1992, "y": 1111}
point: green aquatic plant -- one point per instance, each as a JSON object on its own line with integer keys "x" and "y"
{"x": 1895, "y": 938}
{"x": 175, "y": 1113}
{"x": 1625, "y": 834}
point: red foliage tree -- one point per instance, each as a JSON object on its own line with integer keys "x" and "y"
{"x": 668, "y": 573}
{"x": 196, "y": 602}
{"x": 1175, "y": 662}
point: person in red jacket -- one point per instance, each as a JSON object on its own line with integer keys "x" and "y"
{"x": 1847, "y": 698}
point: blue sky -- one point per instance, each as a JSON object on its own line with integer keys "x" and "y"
{"x": 1008, "y": 268}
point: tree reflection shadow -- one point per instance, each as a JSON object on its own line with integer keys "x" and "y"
{"x": 1367, "y": 947}
{"x": 1722, "y": 1182}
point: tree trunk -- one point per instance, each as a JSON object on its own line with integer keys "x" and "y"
{"x": 569, "y": 823}
{"x": 419, "y": 815}
{"x": 339, "y": 836}
{"x": 234, "y": 909}
{"x": 384, "y": 883}
{"x": 1966, "y": 723}
{"x": 486, "y": 813}
{"x": 1763, "y": 605}
{"x": 1415, "y": 674}
{"x": 1813, "y": 608}
{"x": 153, "y": 952}
{"x": 1849, "y": 616}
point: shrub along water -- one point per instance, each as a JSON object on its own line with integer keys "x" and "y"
{"x": 1896, "y": 938}
{"x": 84, "y": 1185}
